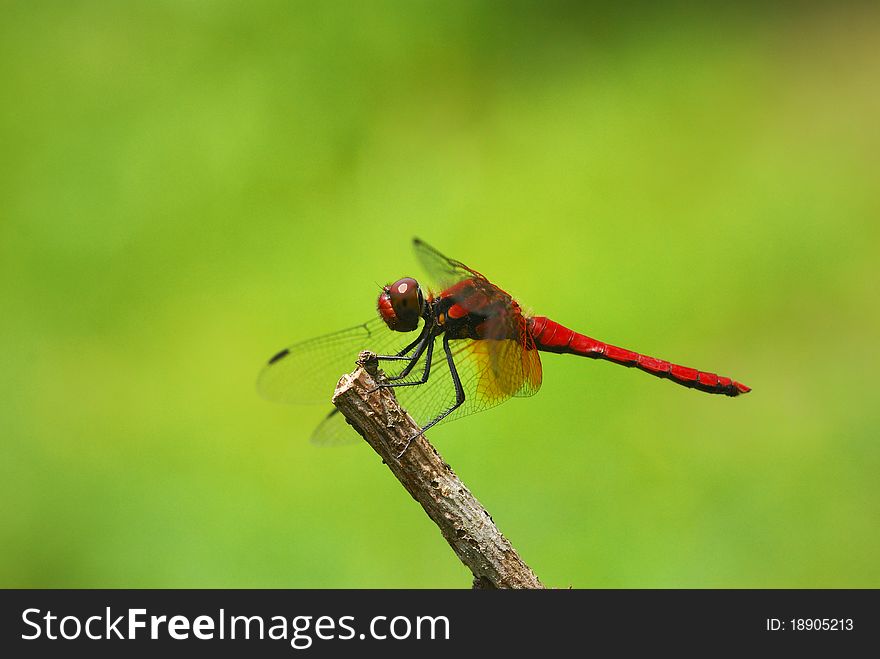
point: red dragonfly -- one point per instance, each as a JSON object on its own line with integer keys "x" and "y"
{"x": 475, "y": 349}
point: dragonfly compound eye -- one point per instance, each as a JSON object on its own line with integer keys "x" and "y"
{"x": 400, "y": 305}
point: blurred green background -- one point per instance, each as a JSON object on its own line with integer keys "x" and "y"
{"x": 189, "y": 186}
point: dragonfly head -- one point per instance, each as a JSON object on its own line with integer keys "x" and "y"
{"x": 401, "y": 304}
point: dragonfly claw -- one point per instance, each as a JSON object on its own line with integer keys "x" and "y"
{"x": 406, "y": 446}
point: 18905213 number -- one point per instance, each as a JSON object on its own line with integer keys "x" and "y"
{"x": 821, "y": 624}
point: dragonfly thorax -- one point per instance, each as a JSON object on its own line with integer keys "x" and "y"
{"x": 401, "y": 304}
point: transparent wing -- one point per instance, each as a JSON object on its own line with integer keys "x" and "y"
{"x": 307, "y": 372}
{"x": 334, "y": 431}
{"x": 444, "y": 272}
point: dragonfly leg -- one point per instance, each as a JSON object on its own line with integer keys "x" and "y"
{"x": 429, "y": 344}
{"x": 459, "y": 396}
{"x": 401, "y": 354}
{"x": 419, "y": 344}
{"x": 418, "y": 340}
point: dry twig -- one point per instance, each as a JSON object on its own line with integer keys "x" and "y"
{"x": 467, "y": 527}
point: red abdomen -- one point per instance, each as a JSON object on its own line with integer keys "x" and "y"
{"x": 550, "y": 336}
